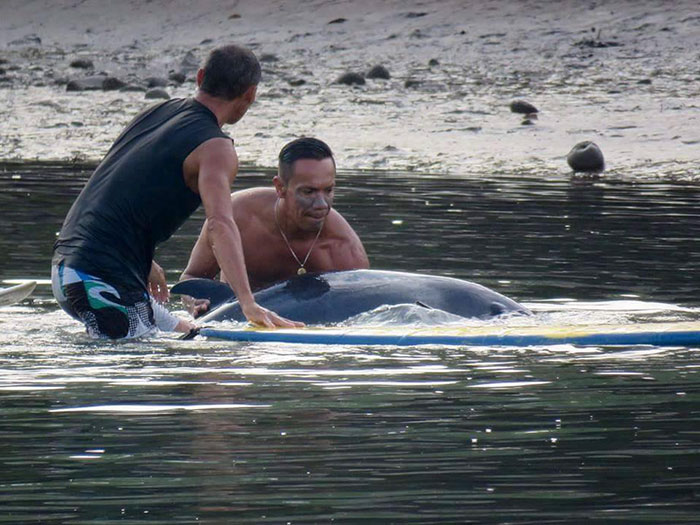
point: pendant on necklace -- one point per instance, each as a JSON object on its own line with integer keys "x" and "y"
{"x": 301, "y": 271}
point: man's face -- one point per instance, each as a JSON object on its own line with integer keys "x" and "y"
{"x": 309, "y": 193}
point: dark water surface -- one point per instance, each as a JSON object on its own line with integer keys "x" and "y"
{"x": 166, "y": 431}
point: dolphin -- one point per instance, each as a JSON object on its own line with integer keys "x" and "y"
{"x": 333, "y": 297}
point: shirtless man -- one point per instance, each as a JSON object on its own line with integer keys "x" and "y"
{"x": 287, "y": 230}
{"x": 169, "y": 159}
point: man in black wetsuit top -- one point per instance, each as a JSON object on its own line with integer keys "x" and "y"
{"x": 168, "y": 160}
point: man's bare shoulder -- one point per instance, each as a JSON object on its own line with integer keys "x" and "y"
{"x": 343, "y": 247}
{"x": 337, "y": 227}
{"x": 252, "y": 202}
{"x": 253, "y": 195}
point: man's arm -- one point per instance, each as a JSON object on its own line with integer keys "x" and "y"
{"x": 158, "y": 290}
{"x": 157, "y": 285}
{"x": 202, "y": 263}
{"x": 353, "y": 257}
{"x": 349, "y": 256}
{"x": 348, "y": 253}
{"x": 217, "y": 165}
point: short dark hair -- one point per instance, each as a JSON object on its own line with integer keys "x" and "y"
{"x": 302, "y": 148}
{"x": 229, "y": 71}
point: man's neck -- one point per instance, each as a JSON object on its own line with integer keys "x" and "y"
{"x": 281, "y": 220}
{"x": 220, "y": 108}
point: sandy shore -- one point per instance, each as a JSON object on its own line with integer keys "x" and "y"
{"x": 623, "y": 74}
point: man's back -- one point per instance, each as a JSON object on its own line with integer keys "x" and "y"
{"x": 137, "y": 196}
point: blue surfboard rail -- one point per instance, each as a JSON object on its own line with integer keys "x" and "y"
{"x": 652, "y": 338}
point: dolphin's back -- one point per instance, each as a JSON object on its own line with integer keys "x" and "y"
{"x": 336, "y": 296}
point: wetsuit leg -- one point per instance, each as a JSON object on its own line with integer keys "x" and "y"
{"x": 107, "y": 313}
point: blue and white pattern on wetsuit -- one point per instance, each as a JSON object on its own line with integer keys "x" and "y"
{"x": 108, "y": 312}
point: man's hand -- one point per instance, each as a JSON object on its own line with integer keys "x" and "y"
{"x": 185, "y": 326}
{"x": 157, "y": 286}
{"x": 260, "y": 316}
{"x": 195, "y": 307}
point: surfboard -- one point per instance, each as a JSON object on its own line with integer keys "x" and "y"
{"x": 15, "y": 294}
{"x": 655, "y": 334}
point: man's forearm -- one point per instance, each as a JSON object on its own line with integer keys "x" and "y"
{"x": 227, "y": 247}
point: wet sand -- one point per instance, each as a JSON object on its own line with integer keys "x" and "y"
{"x": 623, "y": 74}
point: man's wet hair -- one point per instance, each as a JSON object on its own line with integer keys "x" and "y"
{"x": 229, "y": 71}
{"x": 302, "y": 148}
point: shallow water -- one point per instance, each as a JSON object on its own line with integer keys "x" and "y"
{"x": 167, "y": 431}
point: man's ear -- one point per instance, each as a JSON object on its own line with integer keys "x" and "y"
{"x": 200, "y": 76}
{"x": 250, "y": 94}
{"x": 280, "y": 186}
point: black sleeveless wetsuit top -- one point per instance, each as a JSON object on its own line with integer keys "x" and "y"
{"x": 137, "y": 197}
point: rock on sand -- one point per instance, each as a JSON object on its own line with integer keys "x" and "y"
{"x": 522, "y": 106}
{"x": 586, "y": 157}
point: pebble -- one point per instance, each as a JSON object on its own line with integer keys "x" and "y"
{"x": 26, "y": 40}
{"x": 177, "y": 76}
{"x": 529, "y": 119}
{"x": 112, "y": 83}
{"x": 596, "y": 43}
{"x": 351, "y": 79}
{"x": 522, "y": 106}
{"x": 379, "y": 72}
{"x": 95, "y": 83}
{"x": 85, "y": 84}
{"x": 82, "y": 63}
{"x": 157, "y": 93}
{"x": 586, "y": 157}
{"x": 153, "y": 82}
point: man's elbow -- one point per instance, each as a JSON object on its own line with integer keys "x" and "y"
{"x": 187, "y": 275}
{"x": 362, "y": 264}
{"x": 200, "y": 272}
{"x": 218, "y": 225}
{"x": 361, "y": 258}
{"x": 356, "y": 261}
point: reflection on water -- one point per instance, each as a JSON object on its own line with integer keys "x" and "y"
{"x": 168, "y": 431}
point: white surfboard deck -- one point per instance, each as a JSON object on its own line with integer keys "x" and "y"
{"x": 17, "y": 293}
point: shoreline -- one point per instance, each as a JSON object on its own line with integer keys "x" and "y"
{"x": 621, "y": 74}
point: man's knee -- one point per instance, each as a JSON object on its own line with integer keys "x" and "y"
{"x": 111, "y": 323}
